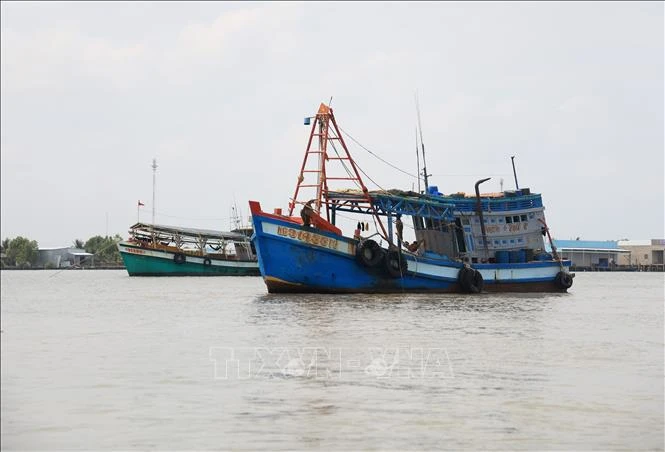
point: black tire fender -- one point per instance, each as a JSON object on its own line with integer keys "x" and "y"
{"x": 564, "y": 280}
{"x": 470, "y": 280}
{"x": 207, "y": 262}
{"x": 179, "y": 258}
{"x": 369, "y": 253}
{"x": 396, "y": 264}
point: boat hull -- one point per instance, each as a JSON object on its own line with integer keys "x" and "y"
{"x": 141, "y": 261}
{"x": 298, "y": 259}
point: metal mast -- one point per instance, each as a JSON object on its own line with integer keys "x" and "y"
{"x": 512, "y": 159}
{"x": 154, "y": 172}
{"x": 422, "y": 145}
{"x": 328, "y": 131}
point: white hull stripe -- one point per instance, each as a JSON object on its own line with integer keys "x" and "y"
{"x": 168, "y": 255}
{"x": 416, "y": 266}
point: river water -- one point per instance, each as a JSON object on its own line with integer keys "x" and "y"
{"x": 99, "y": 360}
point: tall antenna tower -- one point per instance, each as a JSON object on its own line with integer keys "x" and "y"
{"x": 154, "y": 174}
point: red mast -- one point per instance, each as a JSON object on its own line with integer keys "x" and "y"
{"x": 326, "y": 129}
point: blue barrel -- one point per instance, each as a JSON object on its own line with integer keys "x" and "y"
{"x": 502, "y": 257}
{"x": 528, "y": 252}
{"x": 515, "y": 257}
{"x": 522, "y": 255}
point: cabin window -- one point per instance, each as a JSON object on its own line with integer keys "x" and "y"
{"x": 465, "y": 221}
{"x": 493, "y": 220}
{"x": 500, "y": 220}
{"x": 516, "y": 219}
{"x": 496, "y": 242}
{"x": 512, "y": 240}
{"x": 504, "y": 242}
{"x": 523, "y": 217}
{"x": 418, "y": 223}
{"x": 509, "y": 220}
{"x": 520, "y": 240}
{"x": 531, "y": 215}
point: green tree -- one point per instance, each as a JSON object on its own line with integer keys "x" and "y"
{"x": 105, "y": 249}
{"x": 78, "y": 243}
{"x": 4, "y": 246}
{"x": 22, "y": 252}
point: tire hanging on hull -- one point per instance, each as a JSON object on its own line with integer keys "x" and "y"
{"x": 369, "y": 253}
{"x": 564, "y": 280}
{"x": 179, "y": 258}
{"x": 470, "y": 280}
{"x": 396, "y": 264}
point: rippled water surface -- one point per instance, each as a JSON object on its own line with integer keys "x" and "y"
{"x": 99, "y": 360}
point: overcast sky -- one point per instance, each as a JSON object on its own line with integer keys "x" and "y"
{"x": 217, "y": 93}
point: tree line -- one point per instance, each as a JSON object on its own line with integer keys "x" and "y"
{"x": 22, "y": 252}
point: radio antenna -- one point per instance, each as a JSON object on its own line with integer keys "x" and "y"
{"x": 422, "y": 145}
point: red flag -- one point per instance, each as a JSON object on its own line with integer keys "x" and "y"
{"x": 141, "y": 204}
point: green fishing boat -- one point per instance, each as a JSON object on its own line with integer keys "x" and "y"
{"x": 159, "y": 250}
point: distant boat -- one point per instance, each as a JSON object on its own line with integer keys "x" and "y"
{"x": 467, "y": 244}
{"x": 158, "y": 250}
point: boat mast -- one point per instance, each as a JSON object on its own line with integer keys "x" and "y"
{"x": 425, "y": 175}
{"x": 323, "y": 132}
{"x": 512, "y": 159}
{"x": 329, "y": 131}
{"x": 417, "y": 160}
{"x": 154, "y": 172}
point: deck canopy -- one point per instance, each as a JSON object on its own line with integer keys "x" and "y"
{"x": 393, "y": 202}
{"x": 172, "y": 231}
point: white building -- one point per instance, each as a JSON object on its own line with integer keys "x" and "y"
{"x": 643, "y": 253}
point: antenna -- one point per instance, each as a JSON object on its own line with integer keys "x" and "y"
{"x": 417, "y": 160}
{"x": 154, "y": 172}
{"x": 501, "y": 183}
{"x": 422, "y": 145}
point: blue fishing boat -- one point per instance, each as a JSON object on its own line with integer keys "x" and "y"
{"x": 462, "y": 243}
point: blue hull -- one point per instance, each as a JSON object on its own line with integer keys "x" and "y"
{"x": 293, "y": 258}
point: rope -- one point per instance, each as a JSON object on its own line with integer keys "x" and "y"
{"x": 372, "y": 153}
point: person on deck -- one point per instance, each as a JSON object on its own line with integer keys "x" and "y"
{"x": 414, "y": 246}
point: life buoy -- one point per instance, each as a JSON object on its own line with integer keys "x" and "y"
{"x": 207, "y": 262}
{"x": 470, "y": 280}
{"x": 395, "y": 264}
{"x": 564, "y": 280}
{"x": 179, "y": 258}
{"x": 369, "y": 253}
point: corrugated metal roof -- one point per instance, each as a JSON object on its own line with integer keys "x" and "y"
{"x": 587, "y": 244}
{"x": 193, "y": 232}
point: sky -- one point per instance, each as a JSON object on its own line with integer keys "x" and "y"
{"x": 217, "y": 93}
